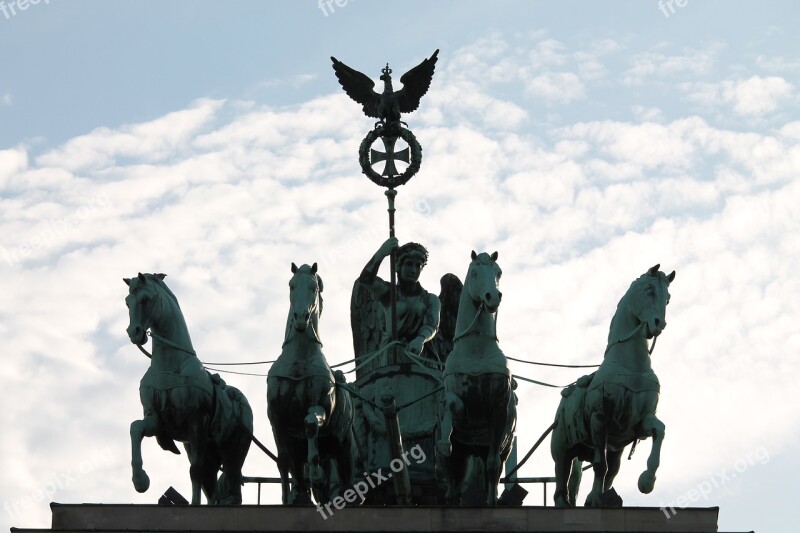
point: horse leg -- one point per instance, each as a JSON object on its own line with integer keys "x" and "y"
{"x": 614, "y": 460}
{"x": 315, "y": 474}
{"x": 574, "y": 483}
{"x": 599, "y": 463}
{"x": 208, "y": 480}
{"x": 284, "y": 462}
{"x": 654, "y": 427}
{"x": 234, "y": 452}
{"x": 345, "y": 455}
{"x": 561, "y": 496}
{"x": 452, "y": 409}
{"x": 197, "y": 449}
{"x": 146, "y": 427}
{"x": 497, "y": 429}
{"x": 559, "y": 453}
{"x": 297, "y": 460}
{"x": 459, "y": 461}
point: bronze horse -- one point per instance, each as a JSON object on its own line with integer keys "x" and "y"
{"x": 478, "y": 412}
{"x": 182, "y": 401}
{"x": 604, "y": 412}
{"x": 312, "y": 418}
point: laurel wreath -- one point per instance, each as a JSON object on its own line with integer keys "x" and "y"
{"x": 394, "y": 181}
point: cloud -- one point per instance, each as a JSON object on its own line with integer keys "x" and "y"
{"x": 755, "y": 96}
{"x": 656, "y": 64}
{"x": 6, "y": 99}
{"x": 556, "y": 86}
{"x": 546, "y": 68}
{"x": 150, "y": 141}
{"x": 12, "y": 162}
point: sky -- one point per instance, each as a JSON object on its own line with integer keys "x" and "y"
{"x": 583, "y": 141}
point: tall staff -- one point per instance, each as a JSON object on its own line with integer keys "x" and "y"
{"x": 387, "y": 107}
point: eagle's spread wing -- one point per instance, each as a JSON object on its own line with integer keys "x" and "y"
{"x": 415, "y": 84}
{"x": 359, "y": 87}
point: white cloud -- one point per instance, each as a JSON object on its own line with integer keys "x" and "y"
{"x": 647, "y": 114}
{"x": 6, "y": 99}
{"x": 547, "y": 54}
{"x": 656, "y": 65}
{"x": 755, "y": 96}
{"x": 12, "y": 162}
{"x": 777, "y": 64}
{"x": 562, "y": 87}
{"x": 150, "y": 141}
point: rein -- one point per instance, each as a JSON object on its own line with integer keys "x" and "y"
{"x": 629, "y": 336}
{"x": 293, "y": 332}
{"x": 469, "y": 331}
{"x": 160, "y": 338}
{"x": 167, "y": 342}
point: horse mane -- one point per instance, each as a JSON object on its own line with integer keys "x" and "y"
{"x": 159, "y": 281}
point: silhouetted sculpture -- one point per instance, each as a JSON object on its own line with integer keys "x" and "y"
{"x": 478, "y": 411}
{"x": 604, "y": 412}
{"x": 182, "y": 401}
{"x": 312, "y": 418}
{"x": 389, "y": 104}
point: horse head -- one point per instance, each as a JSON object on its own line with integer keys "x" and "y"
{"x": 647, "y": 300}
{"x": 305, "y": 297}
{"x": 144, "y": 305}
{"x": 482, "y": 281}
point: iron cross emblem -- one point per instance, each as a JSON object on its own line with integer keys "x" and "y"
{"x": 390, "y": 156}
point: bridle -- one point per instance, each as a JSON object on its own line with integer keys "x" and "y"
{"x": 629, "y": 336}
{"x": 159, "y": 337}
{"x": 468, "y": 331}
{"x": 317, "y": 310}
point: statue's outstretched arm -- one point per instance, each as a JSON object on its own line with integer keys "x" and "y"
{"x": 369, "y": 276}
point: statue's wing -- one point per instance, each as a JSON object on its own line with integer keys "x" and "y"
{"x": 415, "y": 84}
{"x": 449, "y": 297}
{"x": 358, "y": 86}
{"x": 366, "y": 320}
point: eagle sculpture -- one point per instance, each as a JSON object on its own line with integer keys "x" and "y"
{"x": 387, "y": 106}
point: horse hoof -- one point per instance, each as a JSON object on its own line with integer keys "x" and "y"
{"x": 559, "y": 500}
{"x": 593, "y": 500}
{"x": 647, "y": 481}
{"x": 141, "y": 481}
{"x": 302, "y": 499}
{"x": 562, "y": 502}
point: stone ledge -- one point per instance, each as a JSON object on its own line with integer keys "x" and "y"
{"x": 251, "y": 518}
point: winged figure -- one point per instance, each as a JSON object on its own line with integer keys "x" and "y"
{"x": 387, "y": 106}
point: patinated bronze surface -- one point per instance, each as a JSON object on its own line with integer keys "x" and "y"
{"x": 311, "y": 418}
{"x": 184, "y": 402}
{"x": 479, "y": 408}
{"x": 606, "y": 411}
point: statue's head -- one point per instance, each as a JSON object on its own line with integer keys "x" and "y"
{"x": 411, "y": 259}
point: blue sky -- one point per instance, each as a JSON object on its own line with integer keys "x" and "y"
{"x": 583, "y": 141}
